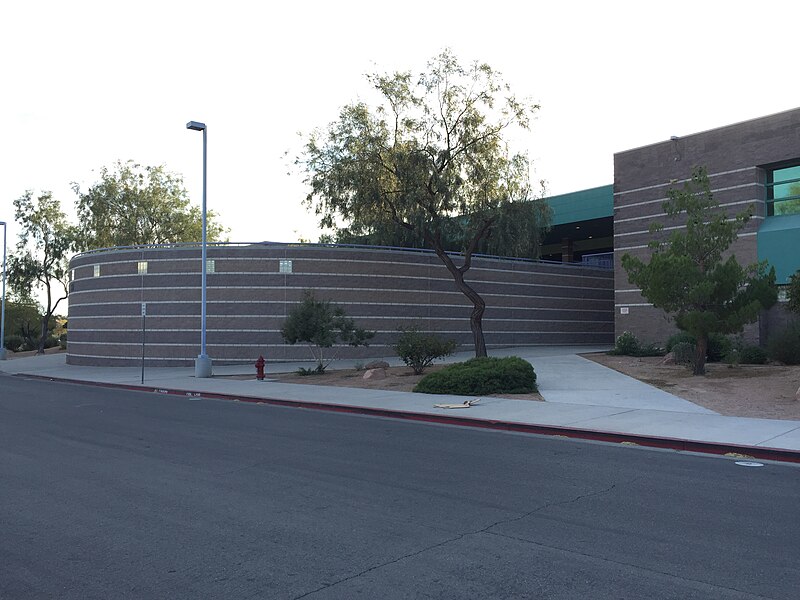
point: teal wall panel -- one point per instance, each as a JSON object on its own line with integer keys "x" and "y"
{"x": 777, "y": 242}
{"x": 583, "y": 205}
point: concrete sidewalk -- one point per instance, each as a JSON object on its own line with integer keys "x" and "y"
{"x": 582, "y": 399}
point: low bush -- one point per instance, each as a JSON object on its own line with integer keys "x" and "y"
{"x": 488, "y": 375}
{"x": 322, "y": 325}
{"x": 625, "y": 345}
{"x": 318, "y": 370}
{"x": 14, "y": 342}
{"x": 753, "y": 355}
{"x": 733, "y": 358}
{"x": 683, "y": 353}
{"x": 650, "y": 350}
{"x": 678, "y": 338}
{"x": 785, "y": 346}
{"x": 718, "y": 345}
{"x": 418, "y": 350}
{"x": 62, "y": 341}
{"x": 51, "y": 342}
{"x": 628, "y": 345}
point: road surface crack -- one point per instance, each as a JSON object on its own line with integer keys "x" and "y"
{"x": 630, "y": 565}
{"x": 455, "y": 539}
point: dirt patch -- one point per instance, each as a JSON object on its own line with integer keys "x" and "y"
{"x": 760, "y": 391}
{"x": 398, "y": 379}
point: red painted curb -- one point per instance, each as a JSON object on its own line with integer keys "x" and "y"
{"x": 758, "y": 452}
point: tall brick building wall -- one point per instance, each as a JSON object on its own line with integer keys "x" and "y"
{"x": 737, "y": 158}
{"x": 251, "y": 289}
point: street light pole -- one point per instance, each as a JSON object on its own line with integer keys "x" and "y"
{"x": 3, "y": 301}
{"x": 202, "y": 364}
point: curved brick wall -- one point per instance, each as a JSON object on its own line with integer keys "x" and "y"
{"x": 528, "y": 303}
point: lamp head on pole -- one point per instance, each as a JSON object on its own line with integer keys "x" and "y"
{"x": 196, "y": 126}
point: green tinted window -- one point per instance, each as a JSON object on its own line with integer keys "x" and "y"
{"x": 783, "y": 191}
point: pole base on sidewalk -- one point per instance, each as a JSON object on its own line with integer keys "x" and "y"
{"x": 2, "y": 353}
{"x": 202, "y": 366}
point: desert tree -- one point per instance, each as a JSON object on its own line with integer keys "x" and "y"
{"x": 431, "y": 156}
{"x": 132, "y": 204}
{"x": 41, "y": 260}
{"x": 688, "y": 275}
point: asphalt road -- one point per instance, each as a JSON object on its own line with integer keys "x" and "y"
{"x": 114, "y": 494}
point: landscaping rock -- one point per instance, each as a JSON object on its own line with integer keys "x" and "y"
{"x": 669, "y": 359}
{"x": 377, "y": 364}
{"x": 375, "y": 374}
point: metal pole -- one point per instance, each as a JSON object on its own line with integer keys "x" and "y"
{"x": 3, "y": 301}
{"x": 205, "y": 250}
{"x": 144, "y": 333}
{"x": 202, "y": 365}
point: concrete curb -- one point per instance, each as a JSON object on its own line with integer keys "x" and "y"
{"x": 683, "y": 445}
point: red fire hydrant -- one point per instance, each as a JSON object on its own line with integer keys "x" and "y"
{"x": 260, "y": 368}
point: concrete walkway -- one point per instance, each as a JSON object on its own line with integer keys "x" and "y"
{"x": 583, "y": 399}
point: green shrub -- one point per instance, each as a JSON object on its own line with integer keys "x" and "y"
{"x": 785, "y": 346}
{"x": 718, "y": 345}
{"x": 14, "y": 342}
{"x": 62, "y": 341}
{"x": 322, "y": 324}
{"x": 753, "y": 355}
{"x": 625, "y": 345}
{"x": 480, "y": 376}
{"x": 678, "y": 338}
{"x": 51, "y": 342}
{"x": 733, "y": 358}
{"x": 793, "y": 293}
{"x": 650, "y": 350}
{"x": 318, "y": 370}
{"x": 683, "y": 353}
{"x": 628, "y": 345}
{"x": 418, "y": 350}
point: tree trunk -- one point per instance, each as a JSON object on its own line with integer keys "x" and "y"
{"x": 478, "y": 304}
{"x": 43, "y": 334}
{"x": 475, "y": 317}
{"x": 700, "y": 355}
{"x": 28, "y": 334}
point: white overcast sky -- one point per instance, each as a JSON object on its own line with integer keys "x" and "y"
{"x": 86, "y": 83}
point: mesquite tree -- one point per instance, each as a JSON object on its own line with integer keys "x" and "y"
{"x": 41, "y": 261}
{"x": 429, "y": 157}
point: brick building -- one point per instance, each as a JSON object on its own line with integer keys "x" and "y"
{"x": 252, "y": 287}
{"x": 754, "y": 163}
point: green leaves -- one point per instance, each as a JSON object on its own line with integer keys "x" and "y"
{"x": 46, "y": 240}
{"x": 431, "y": 149}
{"x": 321, "y": 324}
{"x": 418, "y": 350}
{"x": 132, "y": 205}
{"x": 431, "y": 160}
{"x": 793, "y": 293}
{"x": 686, "y": 275}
